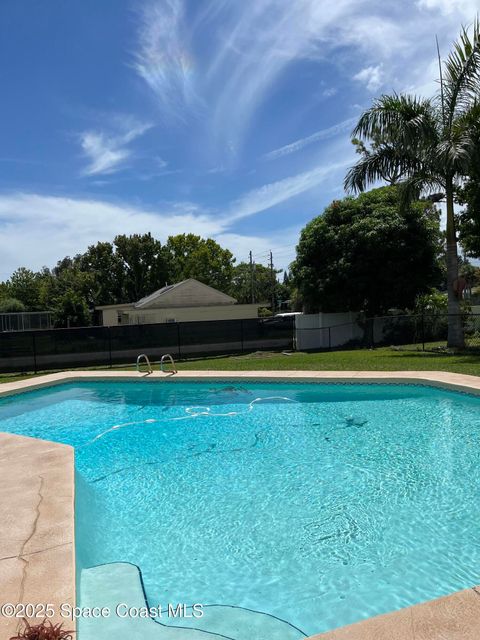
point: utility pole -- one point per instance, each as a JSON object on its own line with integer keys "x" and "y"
{"x": 272, "y": 274}
{"x": 252, "y": 287}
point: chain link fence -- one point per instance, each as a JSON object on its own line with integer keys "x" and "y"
{"x": 96, "y": 346}
{"x": 23, "y": 351}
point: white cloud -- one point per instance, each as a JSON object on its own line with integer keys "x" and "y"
{"x": 37, "y": 230}
{"x": 47, "y": 228}
{"x": 108, "y": 153}
{"x": 468, "y": 8}
{"x": 371, "y": 77}
{"x": 323, "y": 134}
{"x": 252, "y": 44}
{"x": 328, "y": 93}
{"x": 162, "y": 59}
{"x": 275, "y": 193}
{"x": 104, "y": 157}
{"x": 281, "y": 243}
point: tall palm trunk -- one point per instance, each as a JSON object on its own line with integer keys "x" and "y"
{"x": 455, "y": 324}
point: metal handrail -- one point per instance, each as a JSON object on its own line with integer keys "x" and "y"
{"x": 143, "y": 355}
{"x": 168, "y": 357}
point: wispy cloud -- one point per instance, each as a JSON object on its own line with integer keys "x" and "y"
{"x": 371, "y": 77}
{"x": 107, "y": 152}
{"x": 270, "y": 195}
{"x": 162, "y": 59}
{"x": 38, "y": 222}
{"x": 244, "y": 49}
{"x": 468, "y": 8}
{"x": 323, "y": 134}
{"x": 330, "y": 92}
{"x": 51, "y": 227}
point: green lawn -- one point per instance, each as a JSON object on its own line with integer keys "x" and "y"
{"x": 386, "y": 359}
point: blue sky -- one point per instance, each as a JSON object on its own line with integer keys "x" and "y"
{"x": 226, "y": 118}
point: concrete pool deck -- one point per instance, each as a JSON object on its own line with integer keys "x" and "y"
{"x": 37, "y": 556}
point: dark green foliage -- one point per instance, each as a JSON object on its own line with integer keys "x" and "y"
{"x": 428, "y": 147}
{"x": 190, "y": 256}
{"x": 11, "y": 305}
{"x": 71, "y": 310}
{"x": 256, "y": 276}
{"x": 368, "y": 254}
{"x": 142, "y": 265}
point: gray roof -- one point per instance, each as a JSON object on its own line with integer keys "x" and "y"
{"x": 167, "y": 288}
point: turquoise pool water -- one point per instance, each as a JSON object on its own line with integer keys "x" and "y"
{"x": 320, "y": 504}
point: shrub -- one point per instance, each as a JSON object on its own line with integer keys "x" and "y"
{"x": 11, "y": 305}
{"x": 264, "y": 312}
{"x": 43, "y": 631}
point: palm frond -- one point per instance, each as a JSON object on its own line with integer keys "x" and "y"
{"x": 406, "y": 119}
{"x": 461, "y": 81}
{"x": 455, "y": 154}
{"x": 414, "y": 186}
{"x": 379, "y": 164}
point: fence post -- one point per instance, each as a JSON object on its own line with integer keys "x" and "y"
{"x": 109, "y": 333}
{"x": 423, "y": 331}
{"x": 241, "y": 333}
{"x": 34, "y": 345}
{"x": 178, "y": 341}
{"x": 329, "y": 338}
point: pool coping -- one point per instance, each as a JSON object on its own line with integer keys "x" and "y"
{"x": 441, "y": 379}
{"x": 47, "y": 511}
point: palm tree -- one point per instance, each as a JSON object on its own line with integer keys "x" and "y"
{"x": 430, "y": 145}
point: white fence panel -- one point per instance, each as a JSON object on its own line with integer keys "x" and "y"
{"x": 325, "y": 330}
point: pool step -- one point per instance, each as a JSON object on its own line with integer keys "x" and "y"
{"x": 111, "y": 584}
{"x": 243, "y": 624}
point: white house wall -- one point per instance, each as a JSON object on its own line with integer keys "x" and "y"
{"x": 180, "y": 314}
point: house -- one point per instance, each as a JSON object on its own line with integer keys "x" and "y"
{"x": 186, "y": 301}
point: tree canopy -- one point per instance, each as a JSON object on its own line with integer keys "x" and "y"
{"x": 254, "y": 279}
{"x": 124, "y": 270}
{"x": 190, "y": 256}
{"x": 427, "y": 145}
{"x": 368, "y": 254}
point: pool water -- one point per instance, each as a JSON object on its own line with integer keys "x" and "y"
{"x": 320, "y": 504}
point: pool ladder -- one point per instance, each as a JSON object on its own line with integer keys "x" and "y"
{"x": 141, "y": 357}
{"x": 166, "y": 356}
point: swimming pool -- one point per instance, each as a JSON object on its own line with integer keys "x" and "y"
{"x": 318, "y": 504}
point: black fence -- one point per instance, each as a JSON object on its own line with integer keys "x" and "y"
{"x": 426, "y": 332}
{"x": 97, "y": 346}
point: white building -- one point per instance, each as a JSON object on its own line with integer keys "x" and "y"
{"x": 186, "y": 301}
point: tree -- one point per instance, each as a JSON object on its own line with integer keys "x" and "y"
{"x": 469, "y": 194}
{"x": 143, "y": 265}
{"x": 71, "y": 310}
{"x": 256, "y": 279}
{"x": 107, "y": 276}
{"x": 11, "y": 305}
{"x": 190, "y": 256}
{"x": 368, "y": 254}
{"x": 23, "y": 286}
{"x": 429, "y": 142}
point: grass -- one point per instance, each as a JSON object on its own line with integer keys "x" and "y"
{"x": 384, "y": 359}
